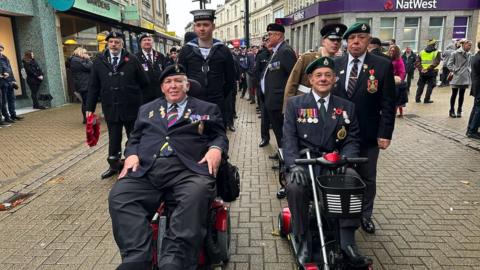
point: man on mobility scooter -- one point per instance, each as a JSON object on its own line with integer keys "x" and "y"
{"x": 323, "y": 123}
{"x": 175, "y": 148}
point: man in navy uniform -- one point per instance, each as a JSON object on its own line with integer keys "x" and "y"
{"x": 175, "y": 149}
{"x": 153, "y": 63}
{"x": 117, "y": 77}
{"x": 322, "y": 123}
{"x": 367, "y": 80}
{"x": 209, "y": 61}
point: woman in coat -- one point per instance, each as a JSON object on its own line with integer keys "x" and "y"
{"x": 459, "y": 65}
{"x": 34, "y": 77}
{"x": 399, "y": 75}
{"x": 80, "y": 66}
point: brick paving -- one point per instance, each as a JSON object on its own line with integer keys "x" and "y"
{"x": 427, "y": 209}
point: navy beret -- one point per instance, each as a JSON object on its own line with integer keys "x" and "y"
{"x": 276, "y": 27}
{"x": 172, "y": 70}
{"x": 114, "y": 34}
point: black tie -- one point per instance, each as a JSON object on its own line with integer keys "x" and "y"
{"x": 352, "y": 79}
{"x": 149, "y": 58}
{"x": 323, "y": 110}
{"x": 115, "y": 63}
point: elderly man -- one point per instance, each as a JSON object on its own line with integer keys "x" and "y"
{"x": 331, "y": 42}
{"x": 313, "y": 121}
{"x": 367, "y": 80}
{"x": 118, "y": 79}
{"x": 175, "y": 149}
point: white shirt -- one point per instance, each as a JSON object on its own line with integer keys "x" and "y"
{"x": 350, "y": 65}
{"x": 111, "y": 57}
{"x": 317, "y": 98}
{"x": 146, "y": 54}
{"x": 205, "y": 52}
{"x": 262, "y": 82}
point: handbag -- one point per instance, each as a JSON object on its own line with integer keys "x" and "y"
{"x": 450, "y": 76}
{"x": 228, "y": 181}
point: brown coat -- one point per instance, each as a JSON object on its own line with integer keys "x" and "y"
{"x": 298, "y": 76}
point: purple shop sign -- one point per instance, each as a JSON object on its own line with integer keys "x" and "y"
{"x": 343, "y": 6}
{"x": 460, "y": 27}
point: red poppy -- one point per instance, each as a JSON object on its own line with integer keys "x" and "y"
{"x": 127, "y": 59}
{"x": 338, "y": 111}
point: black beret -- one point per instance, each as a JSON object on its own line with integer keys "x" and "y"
{"x": 114, "y": 34}
{"x": 203, "y": 14}
{"x": 144, "y": 35}
{"x": 376, "y": 41}
{"x": 173, "y": 49}
{"x": 172, "y": 70}
{"x": 320, "y": 62}
{"x": 276, "y": 27}
{"x": 333, "y": 31}
{"x": 357, "y": 28}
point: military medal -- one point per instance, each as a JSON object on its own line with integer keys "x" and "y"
{"x": 200, "y": 127}
{"x": 150, "y": 114}
{"x": 299, "y": 118}
{"x": 162, "y": 111}
{"x": 315, "y": 116}
{"x": 304, "y": 116}
{"x": 310, "y": 116}
{"x": 372, "y": 84}
{"x": 345, "y": 117}
{"x": 187, "y": 114}
{"x": 342, "y": 133}
{"x": 365, "y": 66}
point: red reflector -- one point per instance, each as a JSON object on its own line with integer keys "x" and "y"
{"x": 310, "y": 266}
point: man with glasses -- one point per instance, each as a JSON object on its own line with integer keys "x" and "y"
{"x": 367, "y": 80}
{"x": 298, "y": 83}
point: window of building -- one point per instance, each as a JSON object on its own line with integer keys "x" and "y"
{"x": 236, "y": 31}
{"x": 157, "y": 6}
{"x": 410, "y": 33}
{"x": 278, "y": 14}
{"x": 304, "y": 41}
{"x": 435, "y": 30}
{"x": 365, "y": 20}
{"x": 310, "y": 36}
{"x": 460, "y": 27}
{"x": 387, "y": 28}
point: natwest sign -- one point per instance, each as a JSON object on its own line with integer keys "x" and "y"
{"x": 416, "y": 4}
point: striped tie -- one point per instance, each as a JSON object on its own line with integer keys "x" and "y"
{"x": 352, "y": 79}
{"x": 172, "y": 115}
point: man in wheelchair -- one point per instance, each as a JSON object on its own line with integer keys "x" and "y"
{"x": 175, "y": 148}
{"x": 322, "y": 123}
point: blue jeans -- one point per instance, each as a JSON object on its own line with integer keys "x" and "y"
{"x": 8, "y": 97}
{"x": 474, "y": 121}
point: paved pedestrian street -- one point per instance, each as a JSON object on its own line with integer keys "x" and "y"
{"x": 427, "y": 209}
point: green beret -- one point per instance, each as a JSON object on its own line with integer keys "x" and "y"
{"x": 357, "y": 28}
{"x": 319, "y": 63}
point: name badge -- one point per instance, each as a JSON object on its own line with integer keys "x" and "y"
{"x": 145, "y": 66}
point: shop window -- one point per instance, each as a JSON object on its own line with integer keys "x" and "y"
{"x": 387, "y": 28}
{"x": 6, "y": 36}
{"x": 435, "y": 30}
{"x": 236, "y": 31}
{"x": 410, "y": 33}
{"x": 460, "y": 27}
{"x": 365, "y": 20}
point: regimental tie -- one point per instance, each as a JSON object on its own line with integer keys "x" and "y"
{"x": 149, "y": 55}
{"x": 323, "y": 110}
{"x": 115, "y": 63}
{"x": 352, "y": 79}
{"x": 166, "y": 150}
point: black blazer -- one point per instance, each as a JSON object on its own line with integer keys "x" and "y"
{"x": 153, "y": 70}
{"x": 187, "y": 137}
{"x": 475, "y": 62}
{"x": 375, "y": 111}
{"x": 276, "y": 76}
{"x": 319, "y": 137}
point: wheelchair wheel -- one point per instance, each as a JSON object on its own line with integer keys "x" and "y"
{"x": 223, "y": 241}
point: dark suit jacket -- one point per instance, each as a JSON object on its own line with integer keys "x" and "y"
{"x": 189, "y": 141}
{"x": 475, "y": 61}
{"x": 277, "y": 72}
{"x": 375, "y": 111}
{"x": 319, "y": 137}
{"x": 153, "y": 70}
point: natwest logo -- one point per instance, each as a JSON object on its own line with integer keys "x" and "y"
{"x": 416, "y": 4}
{"x": 299, "y": 15}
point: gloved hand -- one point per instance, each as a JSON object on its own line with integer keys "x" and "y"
{"x": 297, "y": 174}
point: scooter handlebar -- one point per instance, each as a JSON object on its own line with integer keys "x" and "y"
{"x": 324, "y": 162}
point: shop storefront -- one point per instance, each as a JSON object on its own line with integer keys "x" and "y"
{"x": 410, "y": 22}
{"x": 7, "y": 39}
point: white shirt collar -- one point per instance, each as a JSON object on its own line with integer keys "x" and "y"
{"x": 118, "y": 55}
{"x": 146, "y": 53}
{"x": 278, "y": 46}
{"x": 361, "y": 58}
{"x": 317, "y": 98}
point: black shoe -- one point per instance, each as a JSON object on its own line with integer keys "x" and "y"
{"x": 418, "y": 100}
{"x": 459, "y": 113}
{"x": 4, "y": 124}
{"x": 252, "y": 101}
{"x": 473, "y": 136}
{"x": 281, "y": 193}
{"x": 235, "y": 116}
{"x": 355, "y": 258}
{"x": 16, "y": 117}
{"x": 9, "y": 120}
{"x": 452, "y": 114}
{"x": 109, "y": 173}
{"x": 231, "y": 128}
{"x": 275, "y": 167}
{"x": 428, "y": 101}
{"x": 368, "y": 226}
{"x": 263, "y": 143}
{"x": 274, "y": 156}
{"x": 242, "y": 96}
{"x": 303, "y": 254}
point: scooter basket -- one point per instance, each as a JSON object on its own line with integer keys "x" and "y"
{"x": 342, "y": 195}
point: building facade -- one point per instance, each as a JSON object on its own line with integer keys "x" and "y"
{"x": 411, "y": 23}
{"x": 53, "y": 29}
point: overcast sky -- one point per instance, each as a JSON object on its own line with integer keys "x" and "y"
{"x": 179, "y": 12}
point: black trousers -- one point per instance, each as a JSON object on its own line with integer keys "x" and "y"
{"x": 368, "y": 173}
{"x": 115, "y": 130}
{"x": 276, "y": 119}
{"x": 133, "y": 202}
{"x": 409, "y": 80}
{"x": 264, "y": 121}
{"x": 461, "y": 95}
{"x": 299, "y": 197}
{"x": 430, "y": 81}
{"x": 34, "y": 93}
{"x": 84, "y": 103}
{"x": 474, "y": 120}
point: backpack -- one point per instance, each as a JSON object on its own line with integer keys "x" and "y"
{"x": 228, "y": 181}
